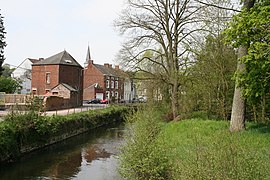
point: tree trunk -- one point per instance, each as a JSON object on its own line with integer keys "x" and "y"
{"x": 238, "y": 108}
{"x": 175, "y": 104}
{"x": 263, "y": 104}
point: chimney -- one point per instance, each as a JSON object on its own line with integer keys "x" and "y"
{"x": 106, "y": 65}
{"x": 116, "y": 67}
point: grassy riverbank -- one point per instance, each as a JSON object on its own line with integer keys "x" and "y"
{"x": 195, "y": 149}
{"x": 22, "y": 133}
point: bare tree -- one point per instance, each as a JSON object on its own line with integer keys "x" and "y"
{"x": 165, "y": 27}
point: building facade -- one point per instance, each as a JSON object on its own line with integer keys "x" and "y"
{"x": 24, "y": 73}
{"x": 105, "y": 82}
{"x": 61, "y": 68}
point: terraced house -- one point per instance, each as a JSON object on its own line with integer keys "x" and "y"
{"x": 104, "y": 81}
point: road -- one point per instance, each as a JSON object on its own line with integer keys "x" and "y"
{"x": 62, "y": 112}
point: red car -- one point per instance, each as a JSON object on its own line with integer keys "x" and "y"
{"x": 105, "y": 101}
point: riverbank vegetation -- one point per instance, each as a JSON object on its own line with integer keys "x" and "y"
{"x": 21, "y": 133}
{"x": 193, "y": 149}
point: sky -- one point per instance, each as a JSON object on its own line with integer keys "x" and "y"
{"x": 42, "y": 28}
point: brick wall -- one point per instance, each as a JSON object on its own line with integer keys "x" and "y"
{"x": 71, "y": 75}
{"x": 93, "y": 75}
{"x": 39, "y": 78}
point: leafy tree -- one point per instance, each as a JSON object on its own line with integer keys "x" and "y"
{"x": 211, "y": 89}
{"x": 7, "y": 71}
{"x": 249, "y": 32}
{"x": 237, "y": 122}
{"x": 9, "y": 85}
{"x": 2, "y": 43}
{"x": 252, "y": 28}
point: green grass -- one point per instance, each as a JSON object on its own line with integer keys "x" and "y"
{"x": 193, "y": 149}
{"x": 204, "y": 149}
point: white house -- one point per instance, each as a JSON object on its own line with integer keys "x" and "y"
{"x": 23, "y": 72}
{"x": 129, "y": 90}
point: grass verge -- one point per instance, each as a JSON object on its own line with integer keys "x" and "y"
{"x": 193, "y": 149}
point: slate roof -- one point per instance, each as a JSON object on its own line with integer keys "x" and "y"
{"x": 34, "y": 60}
{"x": 62, "y": 58}
{"x": 110, "y": 71}
{"x": 66, "y": 86}
{"x": 69, "y": 87}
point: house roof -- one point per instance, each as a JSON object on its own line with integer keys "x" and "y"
{"x": 110, "y": 71}
{"x": 66, "y": 86}
{"x": 104, "y": 70}
{"x": 63, "y": 58}
{"x": 95, "y": 85}
{"x": 34, "y": 60}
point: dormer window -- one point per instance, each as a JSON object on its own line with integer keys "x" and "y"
{"x": 68, "y": 61}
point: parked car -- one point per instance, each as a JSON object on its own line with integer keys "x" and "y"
{"x": 105, "y": 101}
{"x": 135, "y": 100}
{"x": 94, "y": 101}
{"x": 142, "y": 99}
{"x": 122, "y": 101}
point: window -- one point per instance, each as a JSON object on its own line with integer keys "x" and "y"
{"x": 107, "y": 83}
{"x": 112, "y": 84}
{"x": 48, "y": 78}
{"x": 107, "y": 94}
{"x": 34, "y": 91}
{"x": 116, "y": 95}
{"x": 116, "y": 84}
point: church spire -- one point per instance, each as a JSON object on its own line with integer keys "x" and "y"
{"x": 88, "y": 57}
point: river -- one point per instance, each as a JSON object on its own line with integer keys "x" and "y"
{"x": 92, "y": 155}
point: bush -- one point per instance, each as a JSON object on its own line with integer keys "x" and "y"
{"x": 142, "y": 156}
{"x": 8, "y": 141}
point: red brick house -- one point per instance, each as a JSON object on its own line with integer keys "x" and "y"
{"x": 59, "y": 69}
{"x": 102, "y": 81}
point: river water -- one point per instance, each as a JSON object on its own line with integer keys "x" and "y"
{"x": 92, "y": 155}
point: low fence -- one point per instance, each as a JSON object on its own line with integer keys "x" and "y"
{"x": 17, "y": 98}
{"x": 20, "y": 101}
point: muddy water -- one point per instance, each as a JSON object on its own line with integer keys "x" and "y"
{"x": 92, "y": 155}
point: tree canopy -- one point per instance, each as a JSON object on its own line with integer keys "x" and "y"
{"x": 9, "y": 85}
{"x": 249, "y": 31}
{"x": 253, "y": 29}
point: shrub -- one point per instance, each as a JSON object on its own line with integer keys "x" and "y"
{"x": 142, "y": 155}
{"x": 8, "y": 141}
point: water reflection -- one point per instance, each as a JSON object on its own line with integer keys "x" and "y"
{"x": 88, "y": 156}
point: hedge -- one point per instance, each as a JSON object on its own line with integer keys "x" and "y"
{"x": 23, "y": 133}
